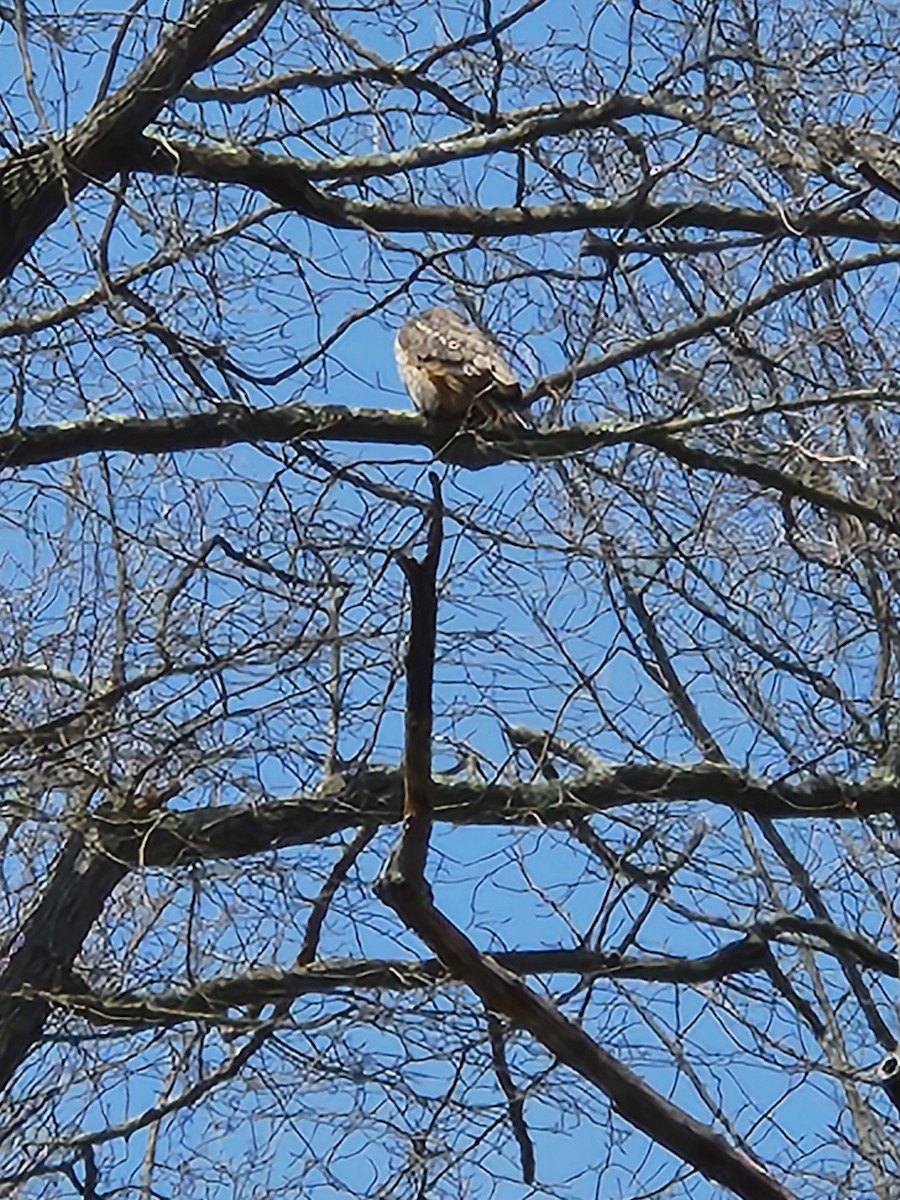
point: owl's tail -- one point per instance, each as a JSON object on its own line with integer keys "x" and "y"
{"x": 499, "y": 413}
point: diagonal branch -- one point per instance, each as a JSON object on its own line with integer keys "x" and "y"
{"x": 81, "y": 884}
{"x": 403, "y": 888}
{"x": 38, "y": 182}
{"x": 82, "y": 881}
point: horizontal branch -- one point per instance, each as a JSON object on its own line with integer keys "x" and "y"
{"x": 376, "y": 795}
{"x": 349, "y": 167}
{"x": 286, "y": 181}
{"x": 232, "y": 424}
{"x": 226, "y": 425}
{"x": 515, "y": 130}
{"x": 254, "y": 989}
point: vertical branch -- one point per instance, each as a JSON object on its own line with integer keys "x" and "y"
{"x": 403, "y": 888}
{"x": 420, "y": 651}
{"x": 332, "y": 761}
{"x": 515, "y": 1098}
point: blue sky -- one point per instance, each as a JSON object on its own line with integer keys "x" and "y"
{"x": 524, "y": 888}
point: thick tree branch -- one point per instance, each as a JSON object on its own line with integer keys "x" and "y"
{"x": 511, "y": 131}
{"x": 376, "y": 795}
{"x": 515, "y": 1098}
{"x": 286, "y": 181}
{"x": 404, "y": 888}
{"x": 38, "y": 182}
{"x": 362, "y": 167}
{"x": 51, "y": 937}
{"x": 81, "y": 883}
{"x": 232, "y": 424}
{"x": 419, "y": 662}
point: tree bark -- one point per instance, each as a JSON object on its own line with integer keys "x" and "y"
{"x": 82, "y": 882}
{"x": 37, "y": 183}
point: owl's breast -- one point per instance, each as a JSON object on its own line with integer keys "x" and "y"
{"x": 434, "y": 391}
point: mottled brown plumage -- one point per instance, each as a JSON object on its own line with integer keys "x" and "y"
{"x": 454, "y": 371}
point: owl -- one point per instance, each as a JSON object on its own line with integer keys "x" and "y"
{"x": 455, "y": 372}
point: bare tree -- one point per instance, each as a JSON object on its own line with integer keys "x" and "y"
{"x": 395, "y": 807}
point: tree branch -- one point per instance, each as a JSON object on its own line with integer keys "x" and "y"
{"x": 81, "y": 884}
{"x": 213, "y": 998}
{"x": 233, "y": 424}
{"x": 404, "y": 888}
{"x": 417, "y": 800}
{"x": 286, "y": 181}
{"x": 376, "y": 794}
{"x": 38, "y": 182}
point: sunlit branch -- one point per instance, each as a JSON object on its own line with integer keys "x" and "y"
{"x": 376, "y": 795}
{"x": 233, "y": 424}
{"x": 521, "y": 131}
{"x": 37, "y": 183}
{"x": 286, "y": 183}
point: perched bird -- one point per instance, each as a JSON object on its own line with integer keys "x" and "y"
{"x": 455, "y": 372}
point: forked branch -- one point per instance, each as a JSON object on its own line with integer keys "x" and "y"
{"x": 403, "y": 887}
